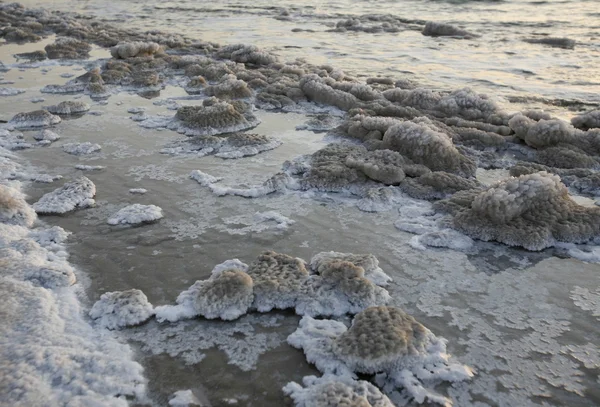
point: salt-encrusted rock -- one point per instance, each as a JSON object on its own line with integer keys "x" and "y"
{"x": 434, "y": 29}
{"x": 69, "y": 107}
{"x": 332, "y": 390}
{"x": 543, "y": 133}
{"x": 126, "y": 50}
{"x": 227, "y": 295}
{"x": 229, "y": 88}
{"x": 184, "y": 398}
{"x": 68, "y": 48}
{"x": 14, "y": 209}
{"x": 136, "y": 214}
{"x": 46, "y": 135}
{"x": 436, "y": 185}
{"x": 119, "y": 309}
{"x": 37, "y": 118}
{"x": 72, "y": 195}
{"x": 533, "y": 211}
{"x": 81, "y": 148}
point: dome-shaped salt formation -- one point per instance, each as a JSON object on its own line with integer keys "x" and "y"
{"x": 72, "y": 195}
{"x": 136, "y": 214}
{"x": 407, "y": 357}
{"x": 37, "y": 118}
{"x": 195, "y": 85}
{"x": 213, "y": 117}
{"x": 229, "y": 88}
{"x": 436, "y": 185}
{"x": 589, "y": 120}
{"x": 134, "y": 49}
{"x": 543, "y": 133}
{"x": 532, "y": 211}
{"x": 248, "y": 54}
{"x": 433, "y": 29}
{"x": 68, "y": 48}
{"x": 69, "y": 107}
{"x": 13, "y": 208}
{"x": 227, "y": 294}
{"x": 368, "y": 262}
{"x": 119, "y": 309}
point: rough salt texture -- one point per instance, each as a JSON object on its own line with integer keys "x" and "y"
{"x": 46, "y": 135}
{"x": 68, "y": 48}
{"x": 532, "y": 211}
{"x": 73, "y": 195}
{"x": 37, "y": 118}
{"x": 119, "y": 309}
{"x": 434, "y": 29}
{"x": 229, "y": 88}
{"x": 134, "y": 49}
{"x": 81, "y": 148}
{"x": 247, "y": 54}
{"x": 203, "y": 178}
{"x": 184, "y": 398}
{"x": 553, "y": 42}
{"x": 587, "y": 120}
{"x": 331, "y": 390}
{"x": 408, "y": 358}
{"x": 368, "y": 262}
{"x": 14, "y": 210}
{"x": 227, "y": 295}
{"x": 69, "y": 107}
{"x": 136, "y": 214}
{"x": 10, "y": 91}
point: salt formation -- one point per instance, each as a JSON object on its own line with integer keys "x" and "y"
{"x": 247, "y": 54}
{"x": 136, "y": 214}
{"x": 140, "y": 191}
{"x": 332, "y": 390}
{"x": 542, "y": 133}
{"x": 119, "y": 309}
{"x": 46, "y": 136}
{"x": 73, "y": 195}
{"x": 213, "y": 117}
{"x": 10, "y": 91}
{"x": 203, "y": 178}
{"x": 368, "y": 262}
{"x": 433, "y": 29}
{"x": 67, "y": 88}
{"x": 229, "y": 88}
{"x": 68, "y": 48}
{"x": 408, "y": 358}
{"x": 184, "y": 398}
{"x": 13, "y": 208}
{"x": 13, "y": 140}
{"x": 553, "y": 42}
{"x": 532, "y": 211}
{"x": 589, "y": 120}
{"x": 37, "y": 118}
{"x": 227, "y": 295}
{"x": 84, "y": 167}
{"x": 195, "y": 85}
{"x": 134, "y": 49}
{"x": 85, "y": 148}
{"x": 229, "y": 146}
{"x": 69, "y": 107}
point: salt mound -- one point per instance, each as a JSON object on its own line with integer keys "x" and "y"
{"x": 64, "y": 89}
{"x": 368, "y": 262}
{"x": 408, "y": 358}
{"x": 433, "y": 29}
{"x": 10, "y": 91}
{"x": 68, "y": 48}
{"x": 37, "y": 118}
{"x": 589, "y": 120}
{"x": 81, "y": 148}
{"x": 246, "y": 54}
{"x": 14, "y": 210}
{"x": 213, "y": 117}
{"x": 184, "y": 398}
{"x": 332, "y": 390}
{"x": 532, "y": 211}
{"x": 203, "y": 178}
{"x": 73, "y": 195}
{"x": 126, "y": 50}
{"x": 119, "y": 309}
{"x": 46, "y": 136}
{"x": 69, "y": 107}
{"x": 136, "y": 214}
{"x": 543, "y": 133}
{"x": 227, "y": 295}
{"x": 229, "y": 88}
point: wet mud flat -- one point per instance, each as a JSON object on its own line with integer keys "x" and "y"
{"x": 260, "y": 230}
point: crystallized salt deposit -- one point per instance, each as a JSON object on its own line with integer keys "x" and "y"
{"x": 121, "y": 308}
{"x": 69, "y": 107}
{"x": 136, "y": 214}
{"x": 46, "y": 135}
{"x": 81, "y": 148}
{"x": 203, "y": 178}
{"x": 184, "y": 398}
{"x": 10, "y": 91}
{"x": 77, "y": 194}
{"x": 37, "y": 118}
{"x": 84, "y": 167}
{"x": 139, "y": 191}
{"x": 13, "y": 208}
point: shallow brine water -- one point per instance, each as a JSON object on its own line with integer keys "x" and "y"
{"x": 526, "y": 323}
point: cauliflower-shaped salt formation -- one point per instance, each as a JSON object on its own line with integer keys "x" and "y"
{"x": 543, "y": 133}
{"x": 126, "y": 50}
{"x": 46, "y": 136}
{"x": 315, "y": 88}
{"x": 426, "y": 145}
{"x": 37, "y": 118}
{"x": 278, "y": 281}
{"x": 13, "y": 208}
{"x": 328, "y": 170}
{"x": 468, "y": 104}
{"x": 408, "y": 357}
{"x": 69, "y": 107}
{"x": 119, "y": 309}
{"x": 68, "y": 48}
{"x": 589, "y": 120}
{"x": 332, "y": 390}
{"x": 229, "y": 88}
{"x": 85, "y": 148}
{"x": 213, "y": 117}
{"x": 136, "y": 214}
{"x": 368, "y": 262}
{"x": 532, "y": 211}
{"x": 436, "y": 185}
{"x": 72, "y": 195}
{"x": 247, "y": 54}
{"x": 227, "y": 294}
